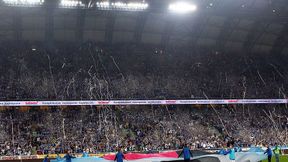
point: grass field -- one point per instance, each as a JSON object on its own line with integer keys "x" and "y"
{"x": 282, "y": 159}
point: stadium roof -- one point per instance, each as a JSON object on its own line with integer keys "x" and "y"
{"x": 238, "y": 25}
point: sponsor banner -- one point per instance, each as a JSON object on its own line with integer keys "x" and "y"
{"x": 52, "y": 103}
{"x": 144, "y": 102}
{"x": 154, "y": 102}
{"x": 170, "y": 102}
{"x": 187, "y": 102}
{"x": 12, "y": 103}
{"x": 102, "y": 102}
{"x": 19, "y": 157}
{"x": 232, "y": 101}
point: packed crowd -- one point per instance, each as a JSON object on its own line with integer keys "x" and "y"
{"x": 103, "y": 129}
{"x": 88, "y": 72}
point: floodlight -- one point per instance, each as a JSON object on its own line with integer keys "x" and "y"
{"x": 182, "y": 7}
{"x": 71, "y": 3}
{"x": 132, "y": 6}
{"x": 23, "y": 2}
{"x": 103, "y": 4}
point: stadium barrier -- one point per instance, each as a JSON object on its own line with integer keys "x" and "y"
{"x": 51, "y": 156}
{"x": 144, "y": 102}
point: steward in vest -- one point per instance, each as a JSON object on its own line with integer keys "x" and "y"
{"x": 277, "y": 152}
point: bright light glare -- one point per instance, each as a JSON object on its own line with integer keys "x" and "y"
{"x": 182, "y": 7}
{"x": 71, "y": 3}
{"x": 103, "y": 4}
{"x": 121, "y": 6}
{"x": 23, "y": 2}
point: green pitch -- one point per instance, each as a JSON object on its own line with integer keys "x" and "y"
{"x": 282, "y": 159}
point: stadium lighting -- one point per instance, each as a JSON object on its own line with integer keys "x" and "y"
{"x": 182, "y": 7}
{"x": 23, "y": 2}
{"x": 132, "y": 6}
{"x": 71, "y": 3}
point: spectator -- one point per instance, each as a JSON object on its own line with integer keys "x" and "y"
{"x": 46, "y": 159}
{"x": 231, "y": 153}
{"x": 119, "y": 156}
{"x": 187, "y": 154}
{"x": 69, "y": 157}
{"x": 269, "y": 153}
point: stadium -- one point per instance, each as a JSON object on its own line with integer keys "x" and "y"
{"x": 143, "y": 80}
